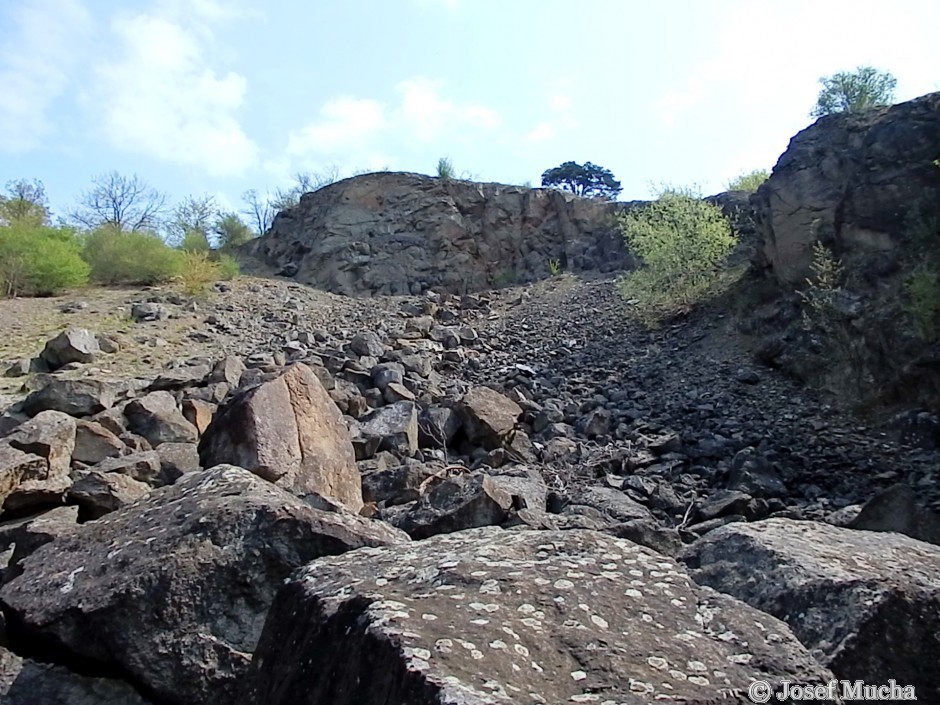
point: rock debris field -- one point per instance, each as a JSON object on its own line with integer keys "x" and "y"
{"x": 276, "y": 495}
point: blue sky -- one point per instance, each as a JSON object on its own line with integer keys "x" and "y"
{"x": 219, "y": 96}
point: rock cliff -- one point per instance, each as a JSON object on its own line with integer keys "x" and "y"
{"x": 396, "y": 233}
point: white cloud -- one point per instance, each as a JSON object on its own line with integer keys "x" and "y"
{"x": 348, "y": 130}
{"x": 34, "y": 65}
{"x": 163, "y": 99}
{"x": 345, "y": 123}
{"x": 543, "y": 131}
{"x": 429, "y": 115}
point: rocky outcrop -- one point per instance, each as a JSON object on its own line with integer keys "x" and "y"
{"x": 174, "y": 589}
{"x": 858, "y": 182}
{"x": 395, "y": 233}
{"x": 869, "y": 603}
{"x": 487, "y": 617}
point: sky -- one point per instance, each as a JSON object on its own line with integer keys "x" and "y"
{"x": 215, "y": 97}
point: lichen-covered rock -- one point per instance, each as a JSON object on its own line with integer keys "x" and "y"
{"x": 394, "y": 426}
{"x": 868, "y": 603}
{"x": 487, "y": 616}
{"x": 175, "y": 588}
{"x": 26, "y": 682}
{"x": 288, "y": 431}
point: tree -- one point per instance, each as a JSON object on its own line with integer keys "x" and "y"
{"x": 231, "y": 231}
{"x": 749, "y": 181}
{"x": 25, "y": 204}
{"x": 122, "y": 203}
{"x": 192, "y": 220}
{"x": 590, "y": 180}
{"x": 855, "y": 91}
{"x": 259, "y": 210}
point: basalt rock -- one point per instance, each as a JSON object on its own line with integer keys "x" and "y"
{"x": 394, "y": 233}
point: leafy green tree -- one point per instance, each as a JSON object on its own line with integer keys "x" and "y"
{"x": 748, "y": 182}
{"x": 231, "y": 231}
{"x": 589, "y": 180}
{"x": 25, "y": 203}
{"x": 683, "y": 242}
{"x": 126, "y": 204}
{"x": 854, "y": 91}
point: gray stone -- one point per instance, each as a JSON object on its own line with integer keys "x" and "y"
{"x": 464, "y": 501}
{"x": 157, "y": 418}
{"x": 94, "y": 442}
{"x": 72, "y": 345}
{"x": 492, "y": 616}
{"x": 174, "y": 589}
{"x": 98, "y": 493}
{"x": 897, "y": 509}
{"x": 867, "y": 603}
{"x": 76, "y": 397}
{"x": 396, "y": 425}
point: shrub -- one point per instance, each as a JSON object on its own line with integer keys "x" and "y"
{"x": 748, "y": 182}
{"x": 40, "y": 261}
{"x": 199, "y": 270}
{"x": 117, "y": 257}
{"x": 922, "y": 287}
{"x": 228, "y": 267}
{"x": 445, "y": 169}
{"x": 195, "y": 241}
{"x": 682, "y": 241}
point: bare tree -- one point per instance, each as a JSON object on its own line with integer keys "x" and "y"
{"x": 126, "y": 204}
{"x": 194, "y": 216}
{"x": 259, "y": 211}
{"x": 24, "y": 204}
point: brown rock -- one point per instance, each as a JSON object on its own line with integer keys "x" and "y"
{"x": 94, "y": 443}
{"x": 289, "y": 432}
{"x": 157, "y": 418}
{"x": 98, "y": 493}
{"x": 489, "y": 417}
{"x": 198, "y": 413}
{"x": 51, "y": 436}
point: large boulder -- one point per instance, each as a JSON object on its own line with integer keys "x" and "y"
{"x": 288, "y": 431}
{"x": 157, "y": 418}
{"x": 489, "y": 616}
{"x": 174, "y": 588}
{"x": 75, "y": 397}
{"x": 868, "y": 603}
{"x": 489, "y": 418}
{"x": 51, "y": 436}
{"x": 393, "y": 233}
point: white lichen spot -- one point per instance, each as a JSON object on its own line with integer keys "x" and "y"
{"x": 635, "y": 573}
{"x": 490, "y": 587}
{"x": 70, "y": 581}
{"x": 584, "y": 698}
{"x": 646, "y": 617}
{"x": 537, "y": 667}
{"x": 599, "y": 621}
{"x": 699, "y": 680}
{"x": 422, "y": 654}
{"x": 541, "y": 581}
{"x": 578, "y": 675}
{"x": 532, "y": 623}
{"x": 476, "y": 655}
{"x": 480, "y": 573}
{"x": 696, "y": 667}
{"x": 678, "y": 675}
{"x": 576, "y": 574}
{"x": 480, "y": 622}
{"x": 498, "y": 644}
{"x": 632, "y": 592}
{"x": 381, "y": 582}
{"x": 427, "y": 617}
{"x": 742, "y": 659}
{"x": 444, "y": 646}
{"x": 641, "y": 686}
{"x": 563, "y": 584}
{"x": 658, "y": 662}
{"x": 521, "y": 650}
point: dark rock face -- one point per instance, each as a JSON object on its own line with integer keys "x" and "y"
{"x": 393, "y": 233}
{"x": 72, "y": 345}
{"x": 174, "y": 588}
{"x": 852, "y": 181}
{"x": 488, "y": 616}
{"x": 868, "y": 602}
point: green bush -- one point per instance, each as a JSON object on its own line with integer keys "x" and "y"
{"x": 198, "y": 272}
{"x": 40, "y": 261}
{"x": 445, "y": 169}
{"x": 130, "y": 258}
{"x": 195, "y": 241}
{"x": 922, "y": 287}
{"x": 683, "y": 242}
{"x": 748, "y": 182}
{"x": 228, "y": 267}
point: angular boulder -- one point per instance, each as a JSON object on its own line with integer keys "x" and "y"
{"x": 458, "y": 503}
{"x": 868, "y": 603}
{"x": 51, "y": 436}
{"x": 75, "y": 397}
{"x": 98, "y": 493}
{"x": 288, "y": 431}
{"x": 175, "y": 587}
{"x": 490, "y": 616}
{"x": 72, "y": 345}
{"x": 489, "y": 418}
{"x": 157, "y": 418}
{"x": 94, "y": 442}
{"x": 394, "y": 426}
